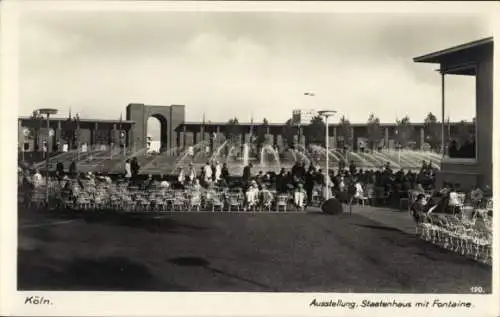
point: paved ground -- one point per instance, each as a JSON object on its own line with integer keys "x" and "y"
{"x": 372, "y": 250}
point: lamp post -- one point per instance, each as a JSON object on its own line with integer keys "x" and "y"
{"x": 48, "y": 112}
{"x": 326, "y": 114}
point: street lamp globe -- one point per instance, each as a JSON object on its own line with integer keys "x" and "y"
{"x": 327, "y": 113}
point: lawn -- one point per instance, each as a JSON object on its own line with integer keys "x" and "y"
{"x": 234, "y": 252}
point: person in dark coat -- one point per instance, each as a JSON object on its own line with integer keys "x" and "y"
{"x": 280, "y": 181}
{"x": 309, "y": 185}
{"x": 418, "y": 208}
{"x": 247, "y": 173}
{"x": 59, "y": 170}
{"x": 225, "y": 173}
{"x": 135, "y": 167}
{"x": 72, "y": 170}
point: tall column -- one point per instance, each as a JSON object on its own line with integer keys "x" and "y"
{"x": 178, "y": 139}
{"x": 334, "y": 137}
{"x": 78, "y": 136}
{"x": 386, "y": 137}
{"x": 422, "y": 138}
{"x": 442, "y": 114}
{"x": 20, "y": 135}
{"x": 114, "y": 135}
{"x": 132, "y": 142}
{"x": 57, "y": 137}
{"x": 354, "y": 144}
{"x": 275, "y": 139}
{"x": 94, "y": 142}
{"x": 195, "y": 137}
{"x": 184, "y": 135}
{"x": 202, "y": 132}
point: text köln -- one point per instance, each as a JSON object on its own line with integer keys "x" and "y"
{"x": 37, "y": 300}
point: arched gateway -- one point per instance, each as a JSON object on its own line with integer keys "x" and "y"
{"x": 170, "y": 118}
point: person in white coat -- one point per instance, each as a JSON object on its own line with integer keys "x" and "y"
{"x": 181, "y": 177}
{"x": 359, "y": 194}
{"x": 218, "y": 171}
{"x": 327, "y": 186}
{"x": 128, "y": 170}
{"x": 37, "y": 179}
{"x": 192, "y": 173}
{"x": 207, "y": 173}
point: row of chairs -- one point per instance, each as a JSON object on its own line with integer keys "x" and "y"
{"x": 176, "y": 200}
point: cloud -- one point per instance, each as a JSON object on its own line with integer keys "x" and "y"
{"x": 239, "y": 64}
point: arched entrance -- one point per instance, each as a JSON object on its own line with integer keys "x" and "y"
{"x": 157, "y": 129}
{"x": 170, "y": 118}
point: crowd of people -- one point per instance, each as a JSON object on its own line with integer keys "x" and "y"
{"x": 303, "y": 185}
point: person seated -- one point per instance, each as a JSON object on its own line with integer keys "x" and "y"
{"x": 454, "y": 201}
{"x": 418, "y": 208}
{"x": 300, "y": 197}
{"x": 37, "y": 179}
{"x": 195, "y": 194}
{"x": 358, "y": 187}
{"x": 266, "y": 197}
{"x": 418, "y": 188}
{"x": 210, "y": 192}
{"x": 164, "y": 184}
{"x": 251, "y": 196}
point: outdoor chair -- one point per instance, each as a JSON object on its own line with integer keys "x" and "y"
{"x": 179, "y": 201}
{"x": 281, "y": 202}
{"x": 266, "y": 203}
{"x": 233, "y": 200}
{"x": 83, "y": 202}
{"x": 316, "y": 198}
{"x": 300, "y": 200}
{"x": 38, "y": 197}
{"x": 194, "y": 202}
{"x": 217, "y": 201}
{"x": 347, "y": 206}
{"x": 370, "y": 196}
{"x": 404, "y": 198}
{"x": 169, "y": 199}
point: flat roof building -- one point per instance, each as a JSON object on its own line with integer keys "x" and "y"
{"x": 469, "y": 59}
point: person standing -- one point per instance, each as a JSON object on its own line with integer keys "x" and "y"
{"x": 247, "y": 173}
{"x": 225, "y": 173}
{"x": 128, "y": 169}
{"x": 135, "y": 167}
{"x": 192, "y": 173}
{"x": 309, "y": 185}
{"x": 207, "y": 173}
{"x": 72, "y": 169}
{"x": 218, "y": 172}
{"x": 181, "y": 178}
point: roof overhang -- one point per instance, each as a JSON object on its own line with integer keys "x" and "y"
{"x": 460, "y": 59}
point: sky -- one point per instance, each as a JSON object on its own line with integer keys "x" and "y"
{"x": 243, "y": 64}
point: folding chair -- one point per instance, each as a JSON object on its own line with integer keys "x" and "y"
{"x": 233, "y": 200}
{"x": 195, "y": 201}
{"x": 281, "y": 202}
{"x": 267, "y": 203}
{"x": 347, "y": 207}
{"x": 179, "y": 201}
{"x": 404, "y": 197}
{"x": 217, "y": 202}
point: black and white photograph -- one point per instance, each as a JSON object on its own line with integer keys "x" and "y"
{"x": 254, "y": 151}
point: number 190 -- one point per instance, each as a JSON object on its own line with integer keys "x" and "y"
{"x": 476, "y": 289}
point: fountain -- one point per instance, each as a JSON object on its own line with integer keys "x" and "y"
{"x": 269, "y": 149}
{"x": 246, "y": 150}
